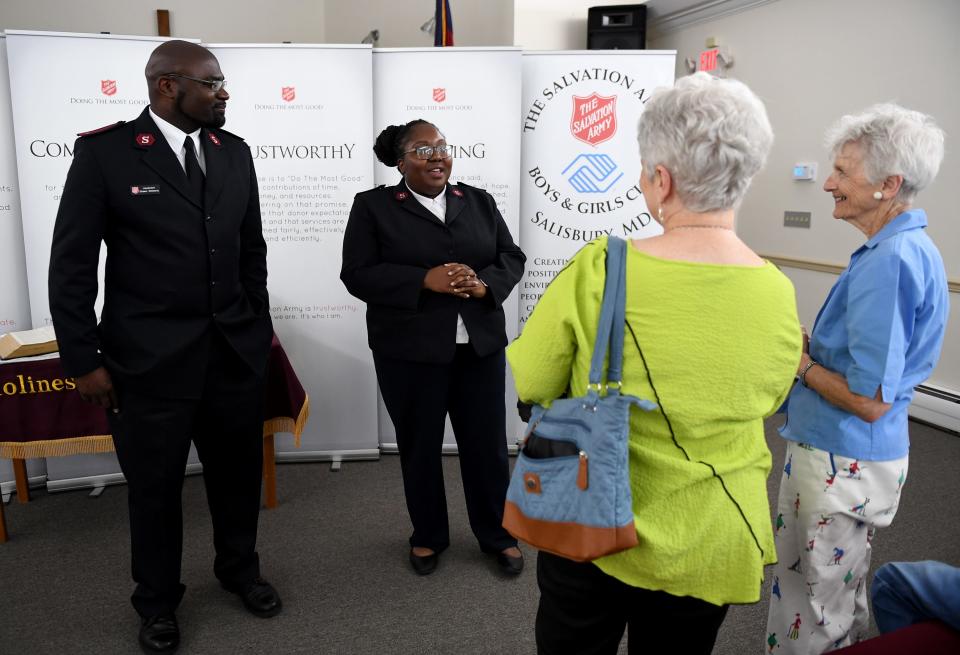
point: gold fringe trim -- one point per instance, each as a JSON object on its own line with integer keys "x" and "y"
{"x": 285, "y": 423}
{"x": 91, "y": 445}
{"x": 97, "y": 444}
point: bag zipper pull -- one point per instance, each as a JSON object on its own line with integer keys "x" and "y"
{"x": 582, "y": 472}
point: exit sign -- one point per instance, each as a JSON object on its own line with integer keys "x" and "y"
{"x": 709, "y": 60}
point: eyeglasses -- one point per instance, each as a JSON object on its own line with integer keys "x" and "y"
{"x": 215, "y": 85}
{"x": 427, "y": 152}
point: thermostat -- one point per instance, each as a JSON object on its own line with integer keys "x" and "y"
{"x": 805, "y": 171}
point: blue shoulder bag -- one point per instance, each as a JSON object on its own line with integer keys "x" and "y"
{"x": 570, "y": 490}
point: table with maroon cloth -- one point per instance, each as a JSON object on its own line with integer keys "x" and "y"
{"x": 42, "y": 415}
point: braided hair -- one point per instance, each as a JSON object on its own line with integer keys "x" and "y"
{"x": 389, "y": 144}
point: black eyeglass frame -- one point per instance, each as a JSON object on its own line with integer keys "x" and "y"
{"x": 215, "y": 85}
{"x": 426, "y": 152}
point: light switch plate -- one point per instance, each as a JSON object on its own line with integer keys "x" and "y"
{"x": 796, "y": 219}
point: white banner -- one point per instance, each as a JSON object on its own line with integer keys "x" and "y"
{"x": 472, "y": 95}
{"x": 581, "y": 165}
{"x": 62, "y": 84}
{"x": 14, "y": 304}
{"x": 305, "y": 111}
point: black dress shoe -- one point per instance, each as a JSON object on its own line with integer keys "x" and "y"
{"x": 259, "y": 597}
{"x": 160, "y": 633}
{"x": 424, "y": 564}
{"x": 509, "y": 564}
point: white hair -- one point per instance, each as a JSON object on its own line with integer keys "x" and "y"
{"x": 713, "y": 135}
{"x": 894, "y": 141}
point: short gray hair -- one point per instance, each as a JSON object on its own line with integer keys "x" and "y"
{"x": 894, "y": 141}
{"x": 713, "y": 135}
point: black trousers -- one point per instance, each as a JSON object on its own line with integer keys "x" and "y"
{"x": 583, "y": 611}
{"x": 418, "y": 397}
{"x": 152, "y": 437}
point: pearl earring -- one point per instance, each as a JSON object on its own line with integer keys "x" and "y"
{"x": 877, "y": 195}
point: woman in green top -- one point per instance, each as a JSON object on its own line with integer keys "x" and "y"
{"x": 719, "y": 332}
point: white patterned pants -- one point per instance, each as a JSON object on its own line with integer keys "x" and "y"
{"x": 827, "y": 511}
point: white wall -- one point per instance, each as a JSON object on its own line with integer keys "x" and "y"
{"x": 555, "y": 24}
{"x": 487, "y": 23}
{"x": 812, "y": 61}
{"x": 214, "y": 21}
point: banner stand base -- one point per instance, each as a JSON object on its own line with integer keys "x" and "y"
{"x": 94, "y": 481}
{"x": 448, "y": 449}
{"x": 35, "y": 482}
{"x": 295, "y": 456}
{"x": 107, "y": 480}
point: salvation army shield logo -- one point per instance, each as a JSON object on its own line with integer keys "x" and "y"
{"x": 594, "y": 118}
{"x": 108, "y": 87}
{"x": 288, "y": 93}
{"x": 439, "y": 95}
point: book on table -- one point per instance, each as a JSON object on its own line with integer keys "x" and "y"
{"x": 28, "y": 343}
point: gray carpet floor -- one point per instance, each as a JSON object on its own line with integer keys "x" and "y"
{"x": 336, "y": 549}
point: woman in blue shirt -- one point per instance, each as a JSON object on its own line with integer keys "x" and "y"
{"x": 877, "y": 336}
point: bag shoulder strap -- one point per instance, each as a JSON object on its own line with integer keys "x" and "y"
{"x": 683, "y": 450}
{"x": 612, "y": 316}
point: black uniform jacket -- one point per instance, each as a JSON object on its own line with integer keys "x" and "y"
{"x": 177, "y": 267}
{"x": 391, "y": 241}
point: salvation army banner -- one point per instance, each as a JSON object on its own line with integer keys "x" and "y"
{"x": 472, "y": 95}
{"x": 580, "y": 163}
{"x": 62, "y": 84}
{"x": 14, "y": 304}
{"x": 305, "y": 111}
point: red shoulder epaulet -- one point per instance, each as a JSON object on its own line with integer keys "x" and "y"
{"x": 100, "y": 130}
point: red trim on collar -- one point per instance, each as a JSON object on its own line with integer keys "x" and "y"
{"x": 102, "y": 129}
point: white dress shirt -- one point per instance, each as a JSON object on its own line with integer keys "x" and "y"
{"x": 176, "y": 138}
{"x": 438, "y": 207}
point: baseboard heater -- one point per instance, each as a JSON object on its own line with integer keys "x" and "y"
{"x": 937, "y": 406}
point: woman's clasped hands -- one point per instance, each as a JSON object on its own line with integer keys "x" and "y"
{"x": 456, "y": 279}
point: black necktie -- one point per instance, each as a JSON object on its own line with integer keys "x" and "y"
{"x": 194, "y": 173}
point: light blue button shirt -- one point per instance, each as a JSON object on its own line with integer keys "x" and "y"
{"x": 881, "y": 326}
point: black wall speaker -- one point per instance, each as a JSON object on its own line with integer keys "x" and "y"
{"x": 617, "y": 27}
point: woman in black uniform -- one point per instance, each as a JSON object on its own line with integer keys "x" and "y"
{"x": 434, "y": 263}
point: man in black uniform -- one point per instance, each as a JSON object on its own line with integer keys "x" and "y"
{"x": 182, "y": 346}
